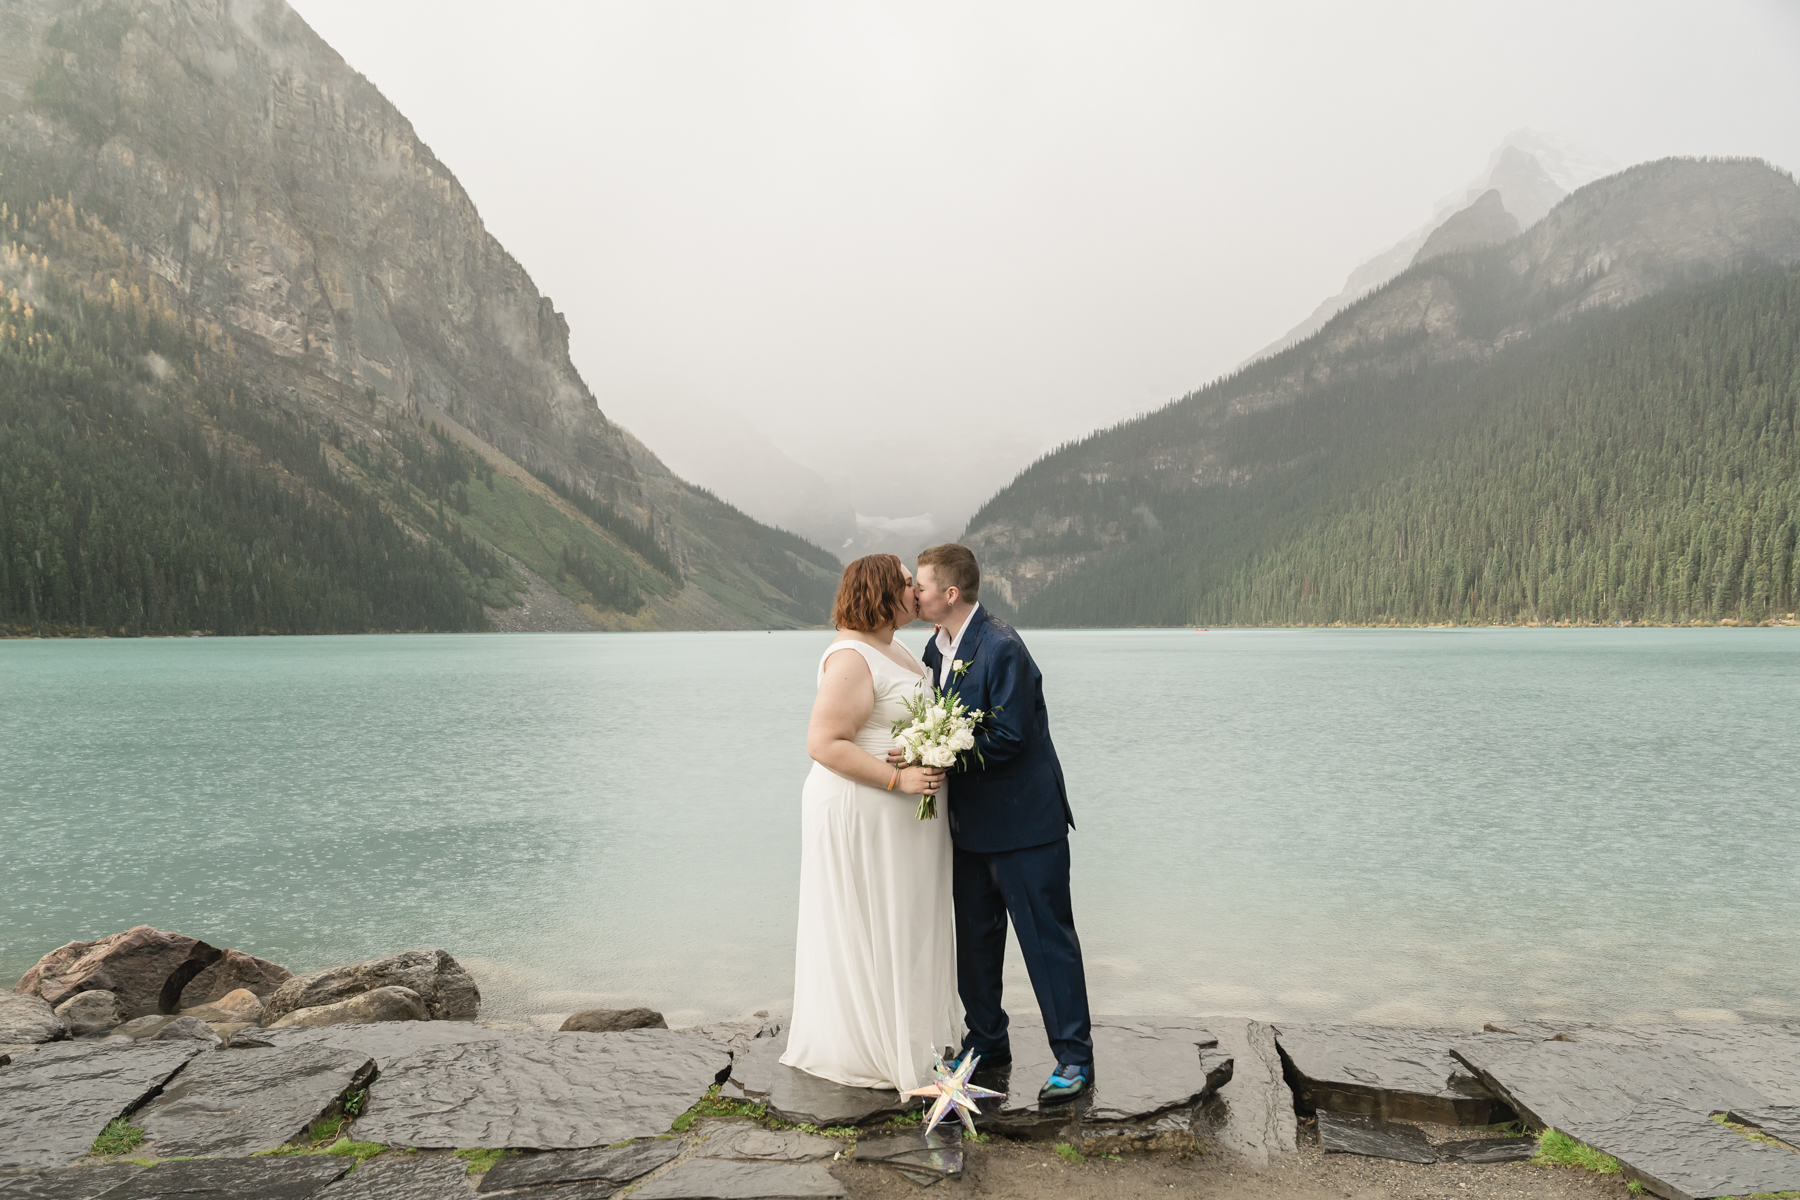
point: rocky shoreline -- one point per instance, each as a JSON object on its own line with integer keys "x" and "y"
{"x": 152, "y": 1064}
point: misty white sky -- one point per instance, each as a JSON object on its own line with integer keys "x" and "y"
{"x": 864, "y": 227}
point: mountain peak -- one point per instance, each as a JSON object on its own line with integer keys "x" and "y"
{"x": 1483, "y": 223}
{"x": 1531, "y": 170}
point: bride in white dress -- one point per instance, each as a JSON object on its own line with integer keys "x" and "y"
{"x": 875, "y": 963}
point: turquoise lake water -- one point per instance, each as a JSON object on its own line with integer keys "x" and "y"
{"x": 1405, "y": 826}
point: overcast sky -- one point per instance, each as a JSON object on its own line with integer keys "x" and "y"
{"x": 851, "y": 222}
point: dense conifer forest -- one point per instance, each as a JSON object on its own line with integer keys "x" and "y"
{"x": 122, "y": 511}
{"x": 1635, "y": 465}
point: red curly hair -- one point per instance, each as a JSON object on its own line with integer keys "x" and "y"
{"x": 865, "y": 598}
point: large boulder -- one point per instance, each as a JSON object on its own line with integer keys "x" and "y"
{"x": 146, "y": 968}
{"x": 449, "y": 992}
{"x": 612, "y": 1020}
{"x": 234, "y": 972}
{"x": 91, "y": 1012}
{"x": 380, "y": 1004}
{"x": 29, "y": 1019}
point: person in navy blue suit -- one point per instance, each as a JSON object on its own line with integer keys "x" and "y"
{"x": 1010, "y": 821}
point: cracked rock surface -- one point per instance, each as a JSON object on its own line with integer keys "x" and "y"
{"x": 68, "y": 1183}
{"x": 385, "y": 1041}
{"x": 721, "y": 1179}
{"x": 54, "y": 1103}
{"x": 1648, "y": 1102}
{"x": 541, "y": 1091}
{"x": 232, "y": 1179}
{"x": 404, "y": 1177}
{"x": 617, "y": 1165}
{"x": 1143, "y": 1067}
{"x": 757, "y": 1074}
{"x": 1387, "y": 1073}
{"x": 753, "y": 1143}
{"x": 923, "y": 1157}
{"x": 239, "y": 1102}
{"x": 1253, "y": 1117}
{"x": 739, "y": 1034}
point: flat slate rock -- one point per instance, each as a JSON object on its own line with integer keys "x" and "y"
{"x": 1685, "y": 1156}
{"x": 758, "y": 1074}
{"x": 1561, "y": 1085}
{"x": 592, "y": 1189}
{"x": 721, "y": 1179}
{"x": 934, "y": 1154}
{"x": 1390, "y": 1074}
{"x": 1349, "y": 1133}
{"x": 54, "y": 1103}
{"x": 1254, "y": 1118}
{"x": 70, "y": 1183}
{"x": 1143, "y": 1067}
{"x": 1489, "y": 1150}
{"x": 1648, "y": 1104}
{"x": 383, "y": 1041}
{"x": 753, "y": 1143}
{"x": 540, "y": 1091}
{"x": 237, "y": 1103}
{"x": 232, "y": 1179}
{"x": 405, "y": 1177}
{"x": 1765, "y": 1056}
{"x": 615, "y": 1165}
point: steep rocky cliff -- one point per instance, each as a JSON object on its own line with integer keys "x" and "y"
{"x": 280, "y": 197}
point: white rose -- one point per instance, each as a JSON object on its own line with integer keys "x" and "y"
{"x": 962, "y": 739}
{"x": 940, "y": 756}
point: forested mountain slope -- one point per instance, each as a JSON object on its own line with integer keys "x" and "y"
{"x": 1591, "y": 422}
{"x": 209, "y": 184}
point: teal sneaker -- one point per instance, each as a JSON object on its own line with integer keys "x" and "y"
{"x": 1068, "y": 1081}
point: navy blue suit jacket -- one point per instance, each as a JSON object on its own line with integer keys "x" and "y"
{"x": 1018, "y": 798}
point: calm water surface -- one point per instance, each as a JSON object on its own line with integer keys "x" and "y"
{"x": 1418, "y": 826}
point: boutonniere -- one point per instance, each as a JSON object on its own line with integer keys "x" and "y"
{"x": 958, "y": 669}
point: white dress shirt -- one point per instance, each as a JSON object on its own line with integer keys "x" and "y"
{"x": 947, "y": 648}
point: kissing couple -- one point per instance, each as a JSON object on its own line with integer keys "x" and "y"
{"x": 902, "y": 929}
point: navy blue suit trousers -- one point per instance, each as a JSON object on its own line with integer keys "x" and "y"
{"x": 1032, "y": 884}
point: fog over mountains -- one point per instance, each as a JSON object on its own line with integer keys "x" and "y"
{"x": 1531, "y": 171}
{"x": 799, "y": 480}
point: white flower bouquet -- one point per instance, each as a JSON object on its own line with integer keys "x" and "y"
{"x": 937, "y": 731}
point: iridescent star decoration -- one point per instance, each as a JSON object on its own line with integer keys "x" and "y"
{"x": 954, "y": 1092}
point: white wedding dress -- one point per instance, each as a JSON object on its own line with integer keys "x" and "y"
{"x": 875, "y": 961}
